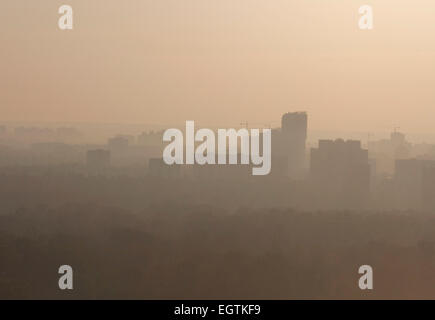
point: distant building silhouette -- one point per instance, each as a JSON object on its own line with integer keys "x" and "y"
{"x": 340, "y": 173}
{"x": 2, "y": 130}
{"x": 294, "y": 131}
{"x": 131, "y": 138}
{"x": 288, "y": 151}
{"x": 414, "y": 179}
{"x": 67, "y": 133}
{"x": 428, "y": 187}
{"x": 157, "y": 168}
{"x": 34, "y": 134}
{"x": 98, "y": 159}
{"x": 150, "y": 138}
{"x": 118, "y": 143}
{"x": 386, "y": 151}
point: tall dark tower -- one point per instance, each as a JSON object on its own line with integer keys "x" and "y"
{"x": 294, "y": 136}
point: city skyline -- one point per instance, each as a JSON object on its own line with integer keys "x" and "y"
{"x": 217, "y": 149}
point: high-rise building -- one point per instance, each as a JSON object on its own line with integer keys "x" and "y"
{"x": 340, "y": 173}
{"x": 293, "y": 139}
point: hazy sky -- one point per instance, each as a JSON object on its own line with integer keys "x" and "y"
{"x": 219, "y": 62}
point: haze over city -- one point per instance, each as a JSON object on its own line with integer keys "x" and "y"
{"x": 341, "y": 118}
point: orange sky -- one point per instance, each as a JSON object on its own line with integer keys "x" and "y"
{"x": 219, "y": 62}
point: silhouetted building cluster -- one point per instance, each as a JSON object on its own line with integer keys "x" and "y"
{"x": 386, "y": 151}
{"x": 392, "y": 173}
